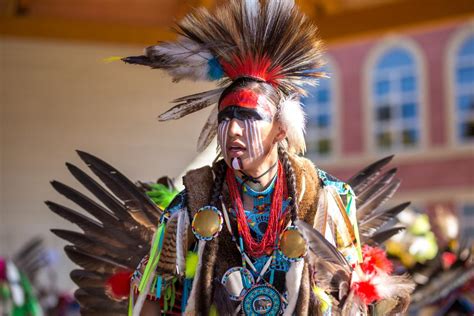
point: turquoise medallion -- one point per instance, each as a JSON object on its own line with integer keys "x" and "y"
{"x": 262, "y": 299}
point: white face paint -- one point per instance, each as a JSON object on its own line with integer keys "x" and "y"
{"x": 251, "y": 135}
{"x": 254, "y": 138}
{"x": 222, "y": 131}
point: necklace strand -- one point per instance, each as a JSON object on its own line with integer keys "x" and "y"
{"x": 253, "y": 247}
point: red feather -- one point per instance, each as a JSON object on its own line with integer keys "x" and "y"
{"x": 374, "y": 257}
{"x": 259, "y": 67}
{"x": 366, "y": 291}
{"x": 117, "y": 286}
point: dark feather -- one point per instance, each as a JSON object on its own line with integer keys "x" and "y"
{"x": 89, "y": 245}
{"x": 91, "y": 227}
{"x": 35, "y": 245}
{"x": 84, "y": 278}
{"x": 361, "y": 179}
{"x": 320, "y": 246}
{"x": 441, "y": 285}
{"x": 367, "y": 207}
{"x": 377, "y": 219}
{"x": 138, "y": 60}
{"x": 137, "y": 202}
{"x": 208, "y": 132}
{"x": 377, "y": 186}
{"x": 91, "y": 262}
{"x": 190, "y": 104}
{"x": 380, "y": 237}
{"x": 99, "y": 192}
{"x": 93, "y": 300}
{"x": 85, "y": 203}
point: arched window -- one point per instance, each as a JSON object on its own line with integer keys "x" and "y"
{"x": 464, "y": 90}
{"x": 320, "y": 105}
{"x": 395, "y": 96}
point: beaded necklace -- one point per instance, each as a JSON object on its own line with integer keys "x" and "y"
{"x": 253, "y": 247}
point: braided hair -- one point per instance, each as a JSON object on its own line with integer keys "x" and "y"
{"x": 219, "y": 167}
{"x": 290, "y": 182}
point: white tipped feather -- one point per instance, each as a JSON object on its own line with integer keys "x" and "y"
{"x": 293, "y": 120}
{"x": 181, "y": 59}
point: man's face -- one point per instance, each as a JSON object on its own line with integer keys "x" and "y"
{"x": 246, "y": 131}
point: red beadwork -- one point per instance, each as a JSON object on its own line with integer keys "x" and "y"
{"x": 253, "y": 247}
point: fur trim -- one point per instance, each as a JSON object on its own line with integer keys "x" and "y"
{"x": 293, "y": 120}
{"x": 293, "y": 282}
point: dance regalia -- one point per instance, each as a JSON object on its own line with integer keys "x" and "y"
{"x": 302, "y": 248}
{"x": 290, "y": 277}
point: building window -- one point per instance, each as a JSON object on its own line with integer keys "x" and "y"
{"x": 320, "y": 104}
{"x": 395, "y": 89}
{"x": 464, "y": 91}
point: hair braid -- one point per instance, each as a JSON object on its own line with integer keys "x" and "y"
{"x": 219, "y": 168}
{"x": 290, "y": 182}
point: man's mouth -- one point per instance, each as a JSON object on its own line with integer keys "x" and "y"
{"x": 236, "y": 149}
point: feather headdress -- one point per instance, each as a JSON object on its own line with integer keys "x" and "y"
{"x": 270, "y": 41}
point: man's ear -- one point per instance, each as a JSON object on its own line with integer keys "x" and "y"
{"x": 280, "y": 135}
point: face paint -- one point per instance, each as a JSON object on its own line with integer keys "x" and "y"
{"x": 222, "y": 132}
{"x": 253, "y": 138}
{"x": 251, "y": 135}
{"x": 254, "y": 115}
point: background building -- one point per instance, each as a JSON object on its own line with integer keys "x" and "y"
{"x": 402, "y": 81}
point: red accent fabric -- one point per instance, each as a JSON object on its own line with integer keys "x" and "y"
{"x": 265, "y": 246}
{"x": 259, "y": 67}
{"x": 242, "y": 98}
{"x": 118, "y": 285}
{"x": 374, "y": 257}
{"x": 366, "y": 291}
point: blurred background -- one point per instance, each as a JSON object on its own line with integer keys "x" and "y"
{"x": 401, "y": 82}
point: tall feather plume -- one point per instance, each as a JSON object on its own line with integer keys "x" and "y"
{"x": 266, "y": 40}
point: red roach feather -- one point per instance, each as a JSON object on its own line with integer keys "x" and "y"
{"x": 251, "y": 66}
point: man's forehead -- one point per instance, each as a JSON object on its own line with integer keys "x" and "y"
{"x": 248, "y": 99}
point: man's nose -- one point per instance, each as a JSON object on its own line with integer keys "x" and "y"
{"x": 235, "y": 128}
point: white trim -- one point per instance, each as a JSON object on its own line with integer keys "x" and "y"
{"x": 386, "y": 44}
{"x": 335, "y": 112}
{"x": 452, "y": 47}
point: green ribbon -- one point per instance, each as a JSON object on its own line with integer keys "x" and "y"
{"x": 155, "y": 254}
